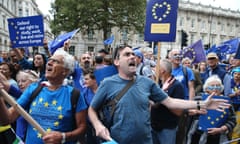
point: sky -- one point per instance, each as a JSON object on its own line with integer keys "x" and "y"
{"x": 44, "y": 5}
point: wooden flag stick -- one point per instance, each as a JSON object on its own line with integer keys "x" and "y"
{"x": 21, "y": 111}
{"x": 158, "y": 61}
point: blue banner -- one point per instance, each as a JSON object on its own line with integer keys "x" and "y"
{"x": 26, "y": 31}
{"x": 213, "y": 118}
{"x": 161, "y": 18}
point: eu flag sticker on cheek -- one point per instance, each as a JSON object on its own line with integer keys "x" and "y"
{"x": 110, "y": 142}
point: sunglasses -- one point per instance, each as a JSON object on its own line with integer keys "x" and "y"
{"x": 215, "y": 87}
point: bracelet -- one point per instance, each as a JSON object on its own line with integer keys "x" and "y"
{"x": 198, "y": 105}
{"x": 63, "y": 138}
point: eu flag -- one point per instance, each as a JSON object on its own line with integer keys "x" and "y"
{"x": 109, "y": 40}
{"x": 213, "y": 118}
{"x": 237, "y": 56}
{"x": 161, "y": 18}
{"x": 195, "y": 52}
{"x": 59, "y": 41}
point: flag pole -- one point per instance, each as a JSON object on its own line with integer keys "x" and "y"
{"x": 158, "y": 61}
{"x": 21, "y": 111}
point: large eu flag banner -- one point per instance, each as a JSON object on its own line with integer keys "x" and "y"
{"x": 161, "y": 18}
{"x": 26, "y": 31}
{"x": 213, "y": 118}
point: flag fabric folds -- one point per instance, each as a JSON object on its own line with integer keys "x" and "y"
{"x": 213, "y": 118}
{"x": 195, "y": 52}
{"x": 59, "y": 41}
{"x": 109, "y": 40}
{"x": 237, "y": 56}
{"x": 104, "y": 72}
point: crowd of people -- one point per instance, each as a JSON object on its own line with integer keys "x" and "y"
{"x": 62, "y": 94}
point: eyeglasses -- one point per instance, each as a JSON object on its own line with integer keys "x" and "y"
{"x": 211, "y": 58}
{"x": 214, "y": 87}
{"x": 54, "y": 60}
{"x": 177, "y": 56}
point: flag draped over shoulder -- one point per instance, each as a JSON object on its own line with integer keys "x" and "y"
{"x": 59, "y": 41}
{"x": 109, "y": 40}
{"x": 195, "y": 52}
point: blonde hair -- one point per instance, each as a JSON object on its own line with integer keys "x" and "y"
{"x": 29, "y": 74}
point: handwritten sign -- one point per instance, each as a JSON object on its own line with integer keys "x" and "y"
{"x": 26, "y": 31}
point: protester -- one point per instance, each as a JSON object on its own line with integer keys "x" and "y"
{"x": 216, "y": 128}
{"x": 187, "y": 62}
{"x": 88, "y": 93}
{"x": 164, "y": 121}
{"x": 24, "y": 79}
{"x": 52, "y": 107}
{"x": 213, "y": 67}
{"x": 183, "y": 74}
{"x": 38, "y": 64}
{"x": 131, "y": 119}
{"x": 8, "y": 70}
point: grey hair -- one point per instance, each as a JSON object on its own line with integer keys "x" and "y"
{"x": 211, "y": 79}
{"x": 167, "y": 65}
{"x": 186, "y": 59}
{"x": 68, "y": 59}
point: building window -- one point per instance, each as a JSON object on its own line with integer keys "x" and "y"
{"x": 222, "y": 27}
{"x": 27, "y": 12}
{"x": 90, "y": 49}
{"x": 124, "y": 34}
{"x": 72, "y": 50}
{"x": 203, "y": 25}
{"x": 20, "y": 12}
{"x": 192, "y": 38}
{"x": 4, "y": 22}
{"x": 140, "y": 37}
{"x": 90, "y": 34}
{"x": 181, "y": 22}
{"x": 193, "y": 23}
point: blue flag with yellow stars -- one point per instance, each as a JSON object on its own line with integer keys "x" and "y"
{"x": 26, "y": 31}
{"x": 213, "y": 118}
{"x": 58, "y": 42}
{"x": 161, "y": 18}
{"x": 195, "y": 52}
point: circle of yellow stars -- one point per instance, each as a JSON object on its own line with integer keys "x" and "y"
{"x": 192, "y": 51}
{"x": 166, "y": 13}
{"x": 47, "y": 104}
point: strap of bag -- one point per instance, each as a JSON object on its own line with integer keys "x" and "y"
{"x": 114, "y": 101}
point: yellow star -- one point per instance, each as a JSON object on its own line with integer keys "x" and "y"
{"x": 40, "y": 100}
{"x": 59, "y": 108}
{"x": 49, "y": 130}
{"x": 217, "y": 119}
{"x": 39, "y": 135}
{"x": 30, "y": 111}
{"x": 46, "y": 104}
{"x": 212, "y": 122}
{"x": 60, "y": 116}
{"x": 208, "y": 117}
{"x": 222, "y": 116}
{"x": 54, "y": 102}
{"x": 56, "y": 123}
{"x": 34, "y": 104}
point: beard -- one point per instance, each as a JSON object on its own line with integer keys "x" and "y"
{"x": 86, "y": 65}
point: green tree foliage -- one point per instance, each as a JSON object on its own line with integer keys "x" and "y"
{"x": 98, "y": 15}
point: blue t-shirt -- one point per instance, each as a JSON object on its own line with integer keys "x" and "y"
{"x": 51, "y": 109}
{"x": 131, "y": 119}
{"x": 179, "y": 75}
